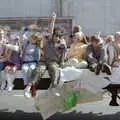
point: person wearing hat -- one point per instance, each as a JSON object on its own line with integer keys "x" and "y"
{"x": 77, "y": 50}
{"x": 77, "y": 30}
{"x": 95, "y": 56}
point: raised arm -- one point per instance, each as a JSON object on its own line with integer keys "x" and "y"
{"x": 52, "y": 24}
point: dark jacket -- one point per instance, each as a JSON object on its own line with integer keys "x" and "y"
{"x": 95, "y": 55}
{"x": 54, "y": 52}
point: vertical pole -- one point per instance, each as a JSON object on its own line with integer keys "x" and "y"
{"x": 60, "y": 2}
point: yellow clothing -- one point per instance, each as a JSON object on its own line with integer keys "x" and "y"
{"x": 77, "y": 50}
{"x": 117, "y": 45}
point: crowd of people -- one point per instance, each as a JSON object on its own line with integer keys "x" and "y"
{"x": 24, "y": 51}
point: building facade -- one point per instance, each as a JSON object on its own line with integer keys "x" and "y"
{"x": 93, "y": 15}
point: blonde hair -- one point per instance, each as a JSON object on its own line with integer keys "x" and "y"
{"x": 110, "y": 38}
{"x": 80, "y": 37}
{"x": 39, "y": 39}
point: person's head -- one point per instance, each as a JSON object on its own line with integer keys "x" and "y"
{"x": 117, "y": 36}
{"x": 110, "y": 39}
{"x": 40, "y": 40}
{"x": 36, "y": 38}
{"x": 77, "y": 28}
{"x": 33, "y": 38}
{"x": 79, "y": 37}
{"x": 57, "y": 34}
{"x": 95, "y": 41}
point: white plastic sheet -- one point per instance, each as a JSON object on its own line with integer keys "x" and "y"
{"x": 87, "y": 79}
{"x": 115, "y": 77}
{"x": 94, "y": 83}
{"x": 70, "y": 73}
{"x": 73, "y": 62}
{"x": 49, "y": 102}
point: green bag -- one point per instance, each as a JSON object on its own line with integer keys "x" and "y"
{"x": 70, "y": 100}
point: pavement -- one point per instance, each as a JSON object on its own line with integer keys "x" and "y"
{"x": 14, "y": 106}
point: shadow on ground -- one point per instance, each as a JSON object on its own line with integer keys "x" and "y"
{"x": 20, "y": 115}
{"x": 42, "y": 84}
{"x": 86, "y": 116}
